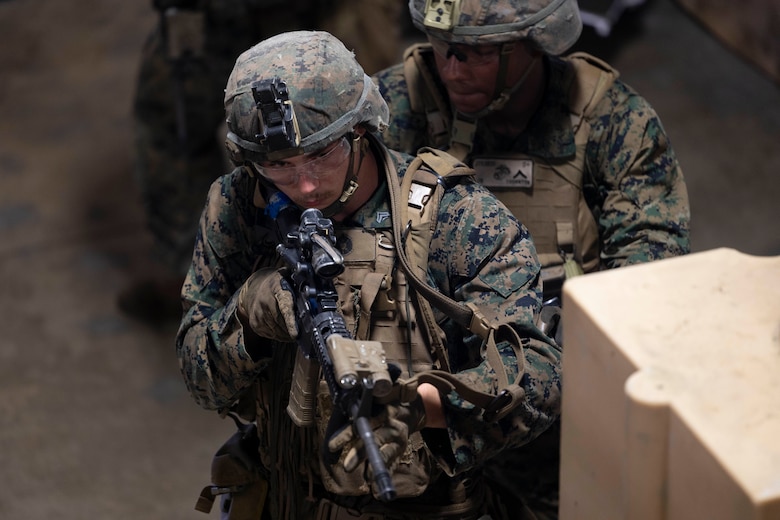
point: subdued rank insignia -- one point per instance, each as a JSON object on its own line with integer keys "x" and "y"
{"x": 501, "y": 172}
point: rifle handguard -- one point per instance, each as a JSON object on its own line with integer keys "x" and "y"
{"x": 354, "y": 362}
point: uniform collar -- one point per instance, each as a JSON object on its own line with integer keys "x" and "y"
{"x": 374, "y": 214}
{"x": 549, "y": 133}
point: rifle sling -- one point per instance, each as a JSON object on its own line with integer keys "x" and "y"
{"x": 468, "y": 316}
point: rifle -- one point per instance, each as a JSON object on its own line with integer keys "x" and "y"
{"x": 355, "y": 371}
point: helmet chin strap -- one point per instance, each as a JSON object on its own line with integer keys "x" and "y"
{"x": 351, "y": 179}
{"x": 464, "y": 124}
{"x": 502, "y": 93}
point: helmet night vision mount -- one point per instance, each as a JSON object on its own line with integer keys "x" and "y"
{"x": 278, "y": 124}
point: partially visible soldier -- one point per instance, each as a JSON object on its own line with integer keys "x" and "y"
{"x": 577, "y": 155}
{"x": 302, "y": 121}
{"x": 178, "y": 110}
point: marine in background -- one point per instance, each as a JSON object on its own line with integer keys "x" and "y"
{"x": 576, "y": 154}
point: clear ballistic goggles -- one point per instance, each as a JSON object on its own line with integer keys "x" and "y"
{"x": 322, "y": 165}
{"x": 477, "y": 55}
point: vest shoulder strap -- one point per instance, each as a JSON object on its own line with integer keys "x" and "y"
{"x": 424, "y": 191}
{"x": 425, "y": 188}
{"x": 413, "y": 62}
{"x": 425, "y": 96}
{"x": 413, "y": 240}
{"x": 592, "y": 78}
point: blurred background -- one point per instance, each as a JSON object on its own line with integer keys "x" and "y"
{"x": 95, "y": 421}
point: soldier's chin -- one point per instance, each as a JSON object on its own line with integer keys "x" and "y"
{"x": 321, "y": 202}
{"x": 468, "y": 104}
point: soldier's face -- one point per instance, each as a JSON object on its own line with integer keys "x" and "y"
{"x": 313, "y": 180}
{"x": 469, "y": 73}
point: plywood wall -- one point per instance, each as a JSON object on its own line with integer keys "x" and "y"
{"x": 749, "y": 27}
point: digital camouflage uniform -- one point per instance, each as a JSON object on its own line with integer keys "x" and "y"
{"x": 633, "y": 184}
{"x": 479, "y": 253}
{"x": 179, "y": 154}
{"x": 630, "y": 184}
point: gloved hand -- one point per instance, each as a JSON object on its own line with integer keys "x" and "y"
{"x": 392, "y": 429}
{"x": 265, "y": 300}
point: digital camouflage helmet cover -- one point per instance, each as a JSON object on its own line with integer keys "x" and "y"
{"x": 552, "y": 25}
{"x": 294, "y": 94}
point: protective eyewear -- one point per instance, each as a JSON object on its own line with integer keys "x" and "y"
{"x": 323, "y": 165}
{"x": 472, "y": 54}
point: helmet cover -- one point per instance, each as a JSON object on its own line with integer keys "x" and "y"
{"x": 327, "y": 89}
{"x": 552, "y": 25}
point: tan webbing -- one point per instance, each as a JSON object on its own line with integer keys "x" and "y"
{"x": 372, "y": 283}
{"x": 594, "y": 77}
{"x": 424, "y": 95}
{"x": 494, "y": 406}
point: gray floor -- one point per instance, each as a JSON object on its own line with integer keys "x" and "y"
{"x": 94, "y": 418}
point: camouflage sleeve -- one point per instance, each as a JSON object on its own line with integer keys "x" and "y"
{"x": 406, "y": 131}
{"x": 210, "y": 341}
{"x": 481, "y": 254}
{"x": 639, "y": 186}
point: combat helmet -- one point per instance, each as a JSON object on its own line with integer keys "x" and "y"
{"x": 552, "y": 25}
{"x": 294, "y": 94}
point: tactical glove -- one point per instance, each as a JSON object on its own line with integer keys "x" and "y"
{"x": 392, "y": 429}
{"x": 265, "y": 300}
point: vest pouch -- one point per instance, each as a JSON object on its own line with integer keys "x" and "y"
{"x": 551, "y": 207}
{"x": 374, "y": 296}
{"x": 247, "y": 504}
{"x": 236, "y": 477}
{"x": 553, "y": 197}
{"x": 359, "y": 248}
{"x": 411, "y": 472}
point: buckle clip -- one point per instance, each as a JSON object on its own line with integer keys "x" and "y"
{"x": 499, "y": 402}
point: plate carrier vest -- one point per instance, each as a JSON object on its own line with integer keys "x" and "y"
{"x": 553, "y": 208}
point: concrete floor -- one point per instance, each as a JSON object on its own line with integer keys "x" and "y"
{"x": 95, "y": 421}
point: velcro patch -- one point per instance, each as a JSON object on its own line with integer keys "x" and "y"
{"x": 500, "y": 172}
